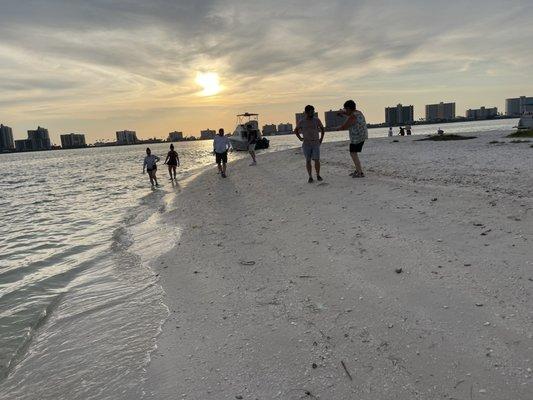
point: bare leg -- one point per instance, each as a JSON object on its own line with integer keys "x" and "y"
{"x": 309, "y": 168}
{"x": 252, "y": 153}
{"x": 317, "y": 167}
{"x": 151, "y": 178}
{"x": 357, "y": 163}
{"x": 223, "y": 168}
{"x": 155, "y": 178}
{"x": 220, "y": 168}
{"x": 174, "y": 169}
{"x": 170, "y": 171}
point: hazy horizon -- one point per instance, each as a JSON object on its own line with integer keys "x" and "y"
{"x": 99, "y": 67}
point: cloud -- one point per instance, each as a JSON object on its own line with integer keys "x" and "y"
{"x": 103, "y": 57}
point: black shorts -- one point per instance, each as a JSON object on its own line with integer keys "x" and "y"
{"x": 152, "y": 169}
{"x": 172, "y": 163}
{"x": 221, "y": 157}
{"x": 356, "y": 148}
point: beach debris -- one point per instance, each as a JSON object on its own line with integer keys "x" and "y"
{"x": 314, "y": 366}
{"x": 479, "y": 304}
{"x": 484, "y": 233}
{"x": 242, "y": 262}
{"x": 239, "y": 397}
{"x": 486, "y": 324}
{"x": 467, "y": 264}
{"x": 434, "y": 199}
{"x": 478, "y": 224}
{"x": 398, "y": 270}
{"x": 346, "y": 370}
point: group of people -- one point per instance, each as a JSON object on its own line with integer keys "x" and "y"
{"x": 309, "y": 130}
{"x": 402, "y": 132}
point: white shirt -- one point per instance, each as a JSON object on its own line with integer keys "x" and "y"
{"x": 149, "y": 161}
{"x": 221, "y": 144}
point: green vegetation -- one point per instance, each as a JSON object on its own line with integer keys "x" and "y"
{"x": 520, "y": 141}
{"x": 445, "y": 137}
{"x": 522, "y": 134}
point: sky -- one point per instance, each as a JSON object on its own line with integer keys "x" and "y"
{"x": 98, "y": 66}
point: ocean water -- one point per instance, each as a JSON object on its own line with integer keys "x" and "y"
{"x": 80, "y": 230}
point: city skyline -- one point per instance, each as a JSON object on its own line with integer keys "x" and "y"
{"x": 98, "y": 68}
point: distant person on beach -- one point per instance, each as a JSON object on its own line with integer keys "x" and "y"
{"x": 221, "y": 145}
{"x": 408, "y": 130}
{"x": 356, "y": 125}
{"x": 440, "y": 132}
{"x": 252, "y": 141}
{"x": 307, "y": 131}
{"x": 402, "y": 131}
{"x": 150, "y": 165}
{"x": 390, "y": 131}
{"x": 172, "y": 161}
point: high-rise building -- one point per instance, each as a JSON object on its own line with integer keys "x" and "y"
{"x": 399, "y": 115}
{"x": 517, "y": 106}
{"x": 40, "y": 139}
{"x": 300, "y": 116}
{"x": 207, "y": 134}
{"x": 440, "y": 112}
{"x": 73, "y": 141}
{"x": 284, "y": 128}
{"x": 269, "y": 129}
{"x": 482, "y": 113}
{"x": 127, "y": 137}
{"x": 6, "y": 138}
{"x": 175, "y": 136}
{"x": 333, "y": 119}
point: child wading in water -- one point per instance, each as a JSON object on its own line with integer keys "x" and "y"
{"x": 173, "y": 161}
{"x": 150, "y": 165}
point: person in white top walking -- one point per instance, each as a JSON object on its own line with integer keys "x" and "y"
{"x": 150, "y": 165}
{"x": 221, "y": 145}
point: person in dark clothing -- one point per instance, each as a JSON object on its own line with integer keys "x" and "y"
{"x": 172, "y": 161}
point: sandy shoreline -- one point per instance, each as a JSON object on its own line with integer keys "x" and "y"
{"x": 280, "y": 289}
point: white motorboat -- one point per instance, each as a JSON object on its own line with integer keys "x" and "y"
{"x": 247, "y": 123}
{"x": 526, "y": 121}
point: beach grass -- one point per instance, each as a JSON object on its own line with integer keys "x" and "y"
{"x": 522, "y": 134}
{"x": 446, "y": 137}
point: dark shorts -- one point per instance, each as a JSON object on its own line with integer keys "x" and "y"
{"x": 221, "y": 157}
{"x": 172, "y": 163}
{"x": 311, "y": 151}
{"x": 356, "y": 148}
{"x": 152, "y": 170}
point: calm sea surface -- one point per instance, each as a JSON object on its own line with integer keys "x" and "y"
{"x": 80, "y": 306}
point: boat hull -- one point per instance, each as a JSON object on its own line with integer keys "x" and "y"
{"x": 241, "y": 145}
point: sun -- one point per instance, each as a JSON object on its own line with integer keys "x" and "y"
{"x": 209, "y": 82}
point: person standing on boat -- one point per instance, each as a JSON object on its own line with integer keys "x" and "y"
{"x": 221, "y": 145}
{"x": 172, "y": 161}
{"x": 307, "y": 131}
{"x": 356, "y": 125}
{"x": 252, "y": 141}
{"x": 150, "y": 165}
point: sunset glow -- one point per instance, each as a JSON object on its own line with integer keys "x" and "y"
{"x": 209, "y": 82}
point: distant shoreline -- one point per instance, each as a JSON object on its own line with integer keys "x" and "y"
{"x": 370, "y": 126}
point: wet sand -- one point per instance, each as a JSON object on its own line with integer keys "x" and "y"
{"x": 412, "y": 283}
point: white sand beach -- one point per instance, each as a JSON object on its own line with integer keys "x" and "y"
{"x": 280, "y": 289}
